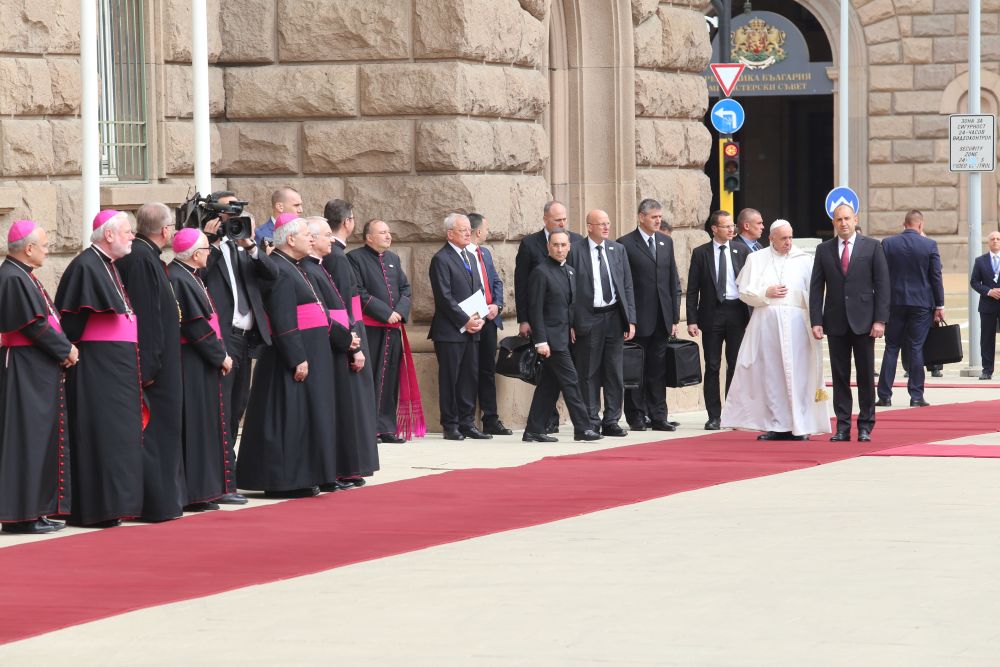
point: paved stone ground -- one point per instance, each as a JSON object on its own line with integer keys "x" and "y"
{"x": 870, "y": 561}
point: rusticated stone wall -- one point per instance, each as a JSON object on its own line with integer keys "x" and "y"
{"x": 39, "y": 122}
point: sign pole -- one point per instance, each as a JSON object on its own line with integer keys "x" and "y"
{"x": 843, "y": 79}
{"x": 725, "y": 197}
{"x": 975, "y": 194}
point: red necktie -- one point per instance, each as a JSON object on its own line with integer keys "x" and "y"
{"x": 845, "y": 258}
{"x": 486, "y": 281}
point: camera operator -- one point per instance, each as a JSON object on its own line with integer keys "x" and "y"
{"x": 233, "y": 276}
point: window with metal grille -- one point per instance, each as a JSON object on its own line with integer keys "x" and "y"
{"x": 122, "y": 69}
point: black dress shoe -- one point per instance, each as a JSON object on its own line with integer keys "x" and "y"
{"x": 614, "y": 430}
{"x": 864, "y": 435}
{"x": 36, "y": 527}
{"x": 232, "y": 499}
{"x": 474, "y": 433}
{"x": 453, "y": 435}
{"x": 918, "y": 403}
{"x": 537, "y": 437}
{"x": 799, "y": 438}
{"x": 674, "y": 424}
{"x": 110, "y": 523}
{"x": 883, "y": 403}
{"x": 391, "y": 438}
{"x": 986, "y": 376}
{"x": 496, "y": 428}
{"x": 658, "y": 425}
{"x": 51, "y": 522}
{"x": 587, "y": 435}
{"x": 336, "y": 485}
{"x": 635, "y": 426}
{"x": 307, "y": 492}
{"x": 712, "y": 425}
{"x": 775, "y": 435}
{"x": 937, "y": 374}
{"x": 201, "y": 507}
{"x": 841, "y": 436}
{"x": 355, "y": 481}
{"x": 552, "y": 429}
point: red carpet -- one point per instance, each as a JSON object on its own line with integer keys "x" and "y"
{"x": 936, "y": 385}
{"x": 966, "y": 451}
{"x": 53, "y": 584}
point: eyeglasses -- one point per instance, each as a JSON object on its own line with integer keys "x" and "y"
{"x": 598, "y": 224}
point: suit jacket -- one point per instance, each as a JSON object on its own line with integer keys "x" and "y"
{"x": 496, "y": 284}
{"x": 655, "y": 282}
{"x": 532, "y": 251}
{"x": 701, "y": 294}
{"x": 748, "y": 246}
{"x": 853, "y": 302}
{"x": 451, "y": 283}
{"x": 914, "y": 270}
{"x": 553, "y": 293}
{"x": 982, "y": 281}
{"x": 252, "y": 272}
{"x": 621, "y": 278}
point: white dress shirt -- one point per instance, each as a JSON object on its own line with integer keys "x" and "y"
{"x": 599, "y": 301}
{"x": 732, "y": 292}
{"x": 244, "y": 321}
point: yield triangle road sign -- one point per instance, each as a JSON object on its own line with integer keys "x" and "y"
{"x": 727, "y": 74}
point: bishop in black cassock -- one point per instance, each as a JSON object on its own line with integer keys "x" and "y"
{"x": 205, "y": 433}
{"x": 145, "y": 280}
{"x": 353, "y": 459}
{"x": 288, "y": 447}
{"x": 385, "y": 302}
{"x": 34, "y": 467}
{"x": 103, "y": 395}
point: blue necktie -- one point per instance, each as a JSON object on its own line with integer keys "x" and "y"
{"x": 996, "y": 264}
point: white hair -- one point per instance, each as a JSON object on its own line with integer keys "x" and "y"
{"x": 185, "y": 255}
{"x": 452, "y": 220}
{"x": 282, "y": 234}
{"x": 19, "y": 245}
{"x": 317, "y": 223}
{"x": 109, "y": 224}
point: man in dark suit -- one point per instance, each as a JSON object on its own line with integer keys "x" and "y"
{"x": 553, "y": 295}
{"x": 493, "y": 288}
{"x": 233, "y": 277}
{"x": 749, "y": 228}
{"x": 455, "y": 276}
{"x": 605, "y": 319}
{"x": 985, "y": 273}
{"x": 849, "y": 302}
{"x": 916, "y": 297}
{"x": 657, "y": 309}
{"x": 531, "y": 252}
{"x": 714, "y": 306}
{"x": 285, "y": 199}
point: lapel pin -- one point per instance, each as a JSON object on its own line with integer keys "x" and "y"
{"x": 661, "y": 242}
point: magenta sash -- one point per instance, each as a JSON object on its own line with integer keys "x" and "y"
{"x": 213, "y": 322}
{"x": 18, "y": 339}
{"x": 340, "y": 317}
{"x": 410, "y": 422}
{"x": 110, "y": 328}
{"x": 312, "y": 316}
{"x": 356, "y": 307}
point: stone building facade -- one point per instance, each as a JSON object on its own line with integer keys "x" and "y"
{"x": 413, "y": 108}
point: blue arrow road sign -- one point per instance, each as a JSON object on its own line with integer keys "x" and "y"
{"x": 840, "y": 196}
{"x": 727, "y": 116}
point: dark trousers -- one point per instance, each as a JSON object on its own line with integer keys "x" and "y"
{"x": 488, "y": 372}
{"x": 236, "y": 391}
{"x": 386, "y": 346}
{"x": 650, "y": 400}
{"x": 907, "y": 327}
{"x": 458, "y": 375}
{"x": 862, "y": 348}
{"x": 728, "y": 325}
{"x": 988, "y": 339}
{"x": 598, "y": 354}
{"x": 558, "y": 373}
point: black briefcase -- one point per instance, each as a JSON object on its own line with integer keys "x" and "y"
{"x": 517, "y": 358}
{"x": 632, "y": 363}
{"x": 943, "y": 344}
{"x": 683, "y": 363}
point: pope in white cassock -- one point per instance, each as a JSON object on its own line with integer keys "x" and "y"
{"x": 778, "y": 384}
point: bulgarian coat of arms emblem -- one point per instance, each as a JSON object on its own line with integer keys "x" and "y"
{"x": 758, "y": 45}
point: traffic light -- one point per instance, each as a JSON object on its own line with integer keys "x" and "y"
{"x": 731, "y": 166}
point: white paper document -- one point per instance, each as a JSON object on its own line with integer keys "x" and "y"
{"x": 475, "y": 304}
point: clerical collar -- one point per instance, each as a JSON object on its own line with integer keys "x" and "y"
{"x": 374, "y": 251}
{"x": 192, "y": 270}
{"x": 19, "y": 264}
{"x": 103, "y": 255}
{"x": 342, "y": 244}
{"x": 555, "y": 261}
{"x": 313, "y": 258}
{"x": 149, "y": 242}
{"x": 284, "y": 254}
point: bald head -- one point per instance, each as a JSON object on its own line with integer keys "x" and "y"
{"x": 598, "y": 225}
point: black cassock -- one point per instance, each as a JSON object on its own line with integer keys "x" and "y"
{"x": 357, "y": 453}
{"x": 103, "y": 396}
{"x": 204, "y": 434}
{"x": 383, "y": 288}
{"x": 288, "y": 440}
{"x": 34, "y": 458}
{"x": 149, "y": 290}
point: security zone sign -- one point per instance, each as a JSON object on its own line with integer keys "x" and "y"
{"x": 972, "y": 144}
